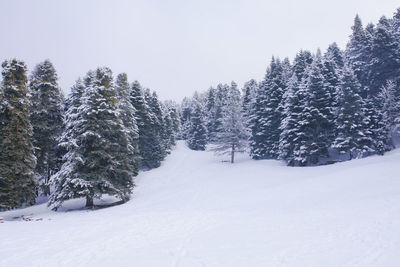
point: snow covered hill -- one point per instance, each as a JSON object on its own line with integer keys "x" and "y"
{"x": 196, "y": 210}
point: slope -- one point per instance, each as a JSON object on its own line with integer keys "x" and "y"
{"x": 196, "y": 210}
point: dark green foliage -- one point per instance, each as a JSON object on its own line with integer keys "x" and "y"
{"x": 292, "y": 112}
{"x": 268, "y": 114}
{"x": 302, "y": 60}
{"x": 17, "y": 160}
{"x": 104, "y": 143}
{"x": 385, "y": 57}
{"x": 171, "y": 125}
{"x": 127, "y": 115}
{"x": 214, "y": 115}
{"x": 375, "y": 124}
{"x": 358, "y": 53}
{"x": 318, "y": 121}
{"x": 67, "y": 182}
{"x": 46, "y": 119}
{"x": 197, "y": 132}
{"x": 144, "y": 121}
{"x": 98, "y": 160}
{"x": 249, "y": 97}
{"x": 153, "y": 143}
{"x": 156, "y": 148}
{"x": 353, "y": 136}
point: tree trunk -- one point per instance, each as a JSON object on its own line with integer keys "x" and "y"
{"x": 46, "y": 183}
{"x": 233, "y": 154}
{"x": 89, "y": 202}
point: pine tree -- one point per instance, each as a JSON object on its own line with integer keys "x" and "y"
{"x": 389, "y": 108}
{"x": 333, "y": 63}
{"x": 396, "y": 29}
{"x": 301, "y": 130}
{"x": 157, "y": 149}
{"x": 153, "y": 140}
{"x": 268, "y": 114}
{"x": 46, "y": 119}
{"x": 319, "y": 122}
{"x": 249, "y": 97}
{"x": 232, "y": 136}
{"x": 101, "y": 149}
{"x": 385, "y": 63}
{"x": 375, "y": 125}
{"x": 292, "y": 110}
{"x": 197, "y": 131}
{"x": 357, "y": 53}
{"x": 66, "y": 181}
{"x": 176, "y": 122}
{"x": 256, "y": 123}
{"x": 185, "y": 116}
{"x": 17, "y": 160}
{"x": 127, "y": 114}
{"x": 335, "y": 54}
{"x": 302, "y": 60}
{"x": 353, "y": 136}
{"x": 144, "y": 122}
{"x": 168, "y": 132}
{"x": 210, "y": 112}
{"x": 214, "y": 122}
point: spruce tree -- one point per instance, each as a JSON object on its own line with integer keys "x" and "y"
{"x": 127, "y": 114}
{"x": 268, "y": 114}
{"x": 256, "y": 123}
{"x": 185, "y": 116}
{"x": 353, "y": 136}
{"x": 389, "y": 108}
{"x": 67, "y": 181}
{"x": 302, "y": 60}
{"x": 301, "y": 129}
{"x": 375, "y": 125}
{"x": 197, "y": 132}
{"x": 335, "y": 54}
{"x": 332, "y": 65}
{"x": 385, "y": 63}
{"x": 17, "y": 160}
{"x": 249, "y": 97}
{"x": 210, "y": 111}
{"x": 168, "y": 132}
{"x": 144, "y": 121}
{"x": 46, "y": 119}
{"x": 358, "y": 54}
{"x": 102, "y": 146}
{"x": 104, "y": 141}
{"x": 176, "y": 122}
{"x": 319, "y": 122}
{"x": 157, "y": 147}
{"x": 232, "y": 136}
{"x": 292, "y": 110}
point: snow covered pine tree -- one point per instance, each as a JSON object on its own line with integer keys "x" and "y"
{"x": 46, "y": 119}
{"x": 233, "y": 135}
{"x": 17, "y": 160}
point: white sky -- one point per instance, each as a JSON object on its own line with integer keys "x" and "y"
{"x": 175, "y": 46}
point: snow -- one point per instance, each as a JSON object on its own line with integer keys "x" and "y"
{"x": 196, "y": 210}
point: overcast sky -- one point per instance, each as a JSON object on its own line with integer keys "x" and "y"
{"x": 175, "y": 46}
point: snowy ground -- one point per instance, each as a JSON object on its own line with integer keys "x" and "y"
{"x": 198, "y": 211}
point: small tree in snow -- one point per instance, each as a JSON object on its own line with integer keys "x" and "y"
{"x": 233, "y": 135}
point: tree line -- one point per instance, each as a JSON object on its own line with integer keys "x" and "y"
{"x": 91, "y": 143}
{"x": 318, "y": 109}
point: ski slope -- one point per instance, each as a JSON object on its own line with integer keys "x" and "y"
{"x": 196, "y": 210}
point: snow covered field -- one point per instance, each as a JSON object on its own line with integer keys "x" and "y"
{"x": 198, "y": 211}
